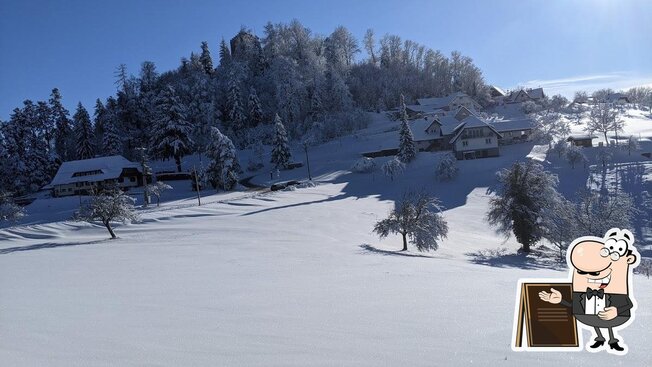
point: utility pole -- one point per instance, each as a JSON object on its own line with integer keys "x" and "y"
{"x": 146, "y": 172}
{"x": 305, "y": 149}
{"x": 197, "y": 185}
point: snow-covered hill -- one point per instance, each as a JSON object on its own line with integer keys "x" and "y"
{"x": 289, "y": 278}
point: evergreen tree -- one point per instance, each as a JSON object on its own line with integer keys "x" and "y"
{"x": 205, "y": 58}
{"x": 223, "y": 169}
{"x": 281, "y": 150}
{"x": 111, "y": 139}
{"x": 98, "y": 123}
{"x": 63, "y": 133}
{"x": 524, "y": 193}
{"x": 45, "y": 123}
{"x": 84, "y": 130}
{"x": 407, "y": 150}
{"x": 236, "y": 114}
{"x": 171, "y": 137}
{"x": 255, "y": 110}
{"x": 225, "y": 54}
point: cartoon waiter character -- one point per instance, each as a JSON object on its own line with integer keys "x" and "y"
{"x": 601, "y": 275}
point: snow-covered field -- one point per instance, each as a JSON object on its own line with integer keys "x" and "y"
{"x": 290, "y": 278}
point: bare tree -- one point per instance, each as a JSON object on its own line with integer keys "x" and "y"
{"x": 416, "y": 216}
{"x": 393, "y": 168}
{"x": 604, "y": 118}
{"x": 108, "y": 206}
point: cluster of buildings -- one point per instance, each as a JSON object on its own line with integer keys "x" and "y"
{"x": 454, "y": 123}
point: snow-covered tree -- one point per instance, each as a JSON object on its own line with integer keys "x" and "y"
{"x": 560, "y": 147}
{"x": 407, "y": 150}
{"x": 574, "y": 155}
{"x": 604, "y": 156}
{"x": 549, "y": 126}
{"x": 98, "y": 125}
{"x": 604, "y": 118}
{"x": 447, "y": 167}
{"x": 222, "y": 171}
{"x": 632, "y": 144}
{"x": 280, "y": 148}
{"x": 85, "y": 135}
{"x": 157, "y": 190}
{"x": 393, "y": 168}
{"x": 417, "y": 217}
{"x": 171, "y": 137}
{"x": 559, "y": 224}
{"x": 109, "y": 206}
{"x": 597, "y": 212}
{"x": 9, "y": 211}
{"x": 63, "y": 133}
{"x": 111, "y": 139}
{"x": 235, "y": 109}
{"x": 256, "y": 116}
{"x": 205, "y": 59}
{"x": 364, "y": 165}
{"x": 521, "y": 199}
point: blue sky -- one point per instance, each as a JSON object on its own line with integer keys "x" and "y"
{"x": 562, "y": 45}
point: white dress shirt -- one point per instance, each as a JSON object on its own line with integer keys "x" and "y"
{"x": 594, "y": 305}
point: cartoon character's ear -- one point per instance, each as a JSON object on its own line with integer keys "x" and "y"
{"x": 631, "y": 258}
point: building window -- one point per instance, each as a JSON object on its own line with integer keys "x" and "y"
{"x": 465, "y": 143}
{"x": 487, "y": 140}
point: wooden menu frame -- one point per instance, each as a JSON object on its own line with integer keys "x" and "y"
{"x": 547, "y": 325}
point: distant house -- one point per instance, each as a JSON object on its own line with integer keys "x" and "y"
{"x": 82, "y": 176}
{"x": 514, "y": 131}
{"x": 441, "y": 105}
{"x": 617, "y": 98}
{"x": 524, "y": 95}
{"x": 467, "y": 135}
{"x": 495, "y": 91}
{"x": 581, "y": 140}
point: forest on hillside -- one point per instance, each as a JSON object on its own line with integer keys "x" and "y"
{"x": 318, "y": 87}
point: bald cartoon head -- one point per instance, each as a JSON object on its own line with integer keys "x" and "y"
{"x": 603, "y": 263}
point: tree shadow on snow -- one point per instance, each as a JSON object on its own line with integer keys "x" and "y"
{"x": 368, "y": 249}
{"x": 500, "y": 258}
{"x": 42, "y": 246}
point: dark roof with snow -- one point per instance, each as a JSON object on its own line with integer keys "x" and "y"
{"x": 513, "y": 125}
{"x": 94, "y": 169}
{"x": 471, "y": 122}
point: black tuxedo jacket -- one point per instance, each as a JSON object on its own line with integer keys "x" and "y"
{"x": 621, "y": 301}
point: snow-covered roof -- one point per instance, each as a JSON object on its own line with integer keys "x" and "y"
{"x": 497, "y": 91}
{"x": 471, "y": 122}
{"x": 440, "y": 102}
{"x": 428, "y": 110}
{"x": 512, "y": 125}
{"x": 536, "y": 93}
{"x": 94, "y": 169}
{"x": 419, "y": 127}
{"x": 615, "y": 97}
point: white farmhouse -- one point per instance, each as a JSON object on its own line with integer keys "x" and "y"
{"x": 82, "y": 176}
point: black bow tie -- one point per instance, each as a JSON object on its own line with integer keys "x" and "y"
{"x": 594, "y": 292}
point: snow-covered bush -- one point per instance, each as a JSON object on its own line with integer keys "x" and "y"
{"x": 393, "y": 168}
{"x": 416, "y": 217}
{"x": 364, "y": 165}
{"x": 574, "y": 155}
{"x": 9, "y": 211}
{"x": 447, "y": 167}
{"x": 530, "y": 107}
{"x": 108, "y": 206}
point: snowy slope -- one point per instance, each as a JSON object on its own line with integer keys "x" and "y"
{"x": 285, "y": 278}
